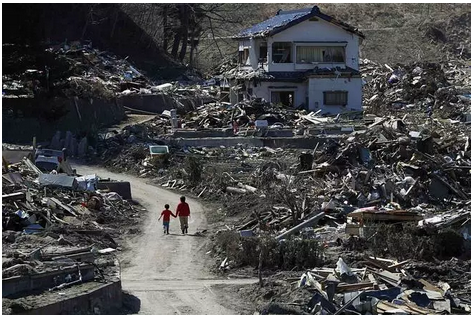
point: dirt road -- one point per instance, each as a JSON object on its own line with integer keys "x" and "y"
{"x": 168, "y": 272}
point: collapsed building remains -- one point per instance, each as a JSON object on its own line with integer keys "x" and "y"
{"x": 60, "y": 233}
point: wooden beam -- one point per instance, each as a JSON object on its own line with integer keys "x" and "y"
{"x": 343, "y": 287}
{"x": 14, "y": 196}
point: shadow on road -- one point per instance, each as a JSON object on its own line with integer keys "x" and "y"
{"x": 131, "y": 304}
{"x": 181, "y": 235}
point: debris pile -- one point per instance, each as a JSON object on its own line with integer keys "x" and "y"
{"x": 78, "y": 69}
{"x": 428, "y": 88}
{"x": 391, "y": 167}
{"x": 396, "y": 185}
{"x": 388, "y": 162}
{"x": 379, "y": 286}
{"x": 68, "y": 69}
{"x": 60, "y": 225}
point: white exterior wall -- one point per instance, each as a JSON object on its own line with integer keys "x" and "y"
{"x": 310, "y": 31}
{"x": 254, "y": 51}
{"x": 317, "y": 86}
{"x": 315, "y": 31}
{"x": 262, "y": 90}
{"x": 307, "y": 31}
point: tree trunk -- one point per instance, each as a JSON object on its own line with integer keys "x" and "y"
{"x": 192, "y": 49}
{"x": 89, "y": 17}
{"x": 178, "y": 33}
{"x": 176, "y": 44}
{"x": 196, "y": 29}
{"x": 185, "y": 12}
{"x": 114, "y": 24}
{"x": 165, "y": 25}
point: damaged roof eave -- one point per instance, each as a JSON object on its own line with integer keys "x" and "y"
{"x": 315, "y": 13}
{"x": 257, "y": 36}
{"x": 343, "y": 25}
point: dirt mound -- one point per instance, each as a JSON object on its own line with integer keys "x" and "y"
{"x": 454, "y": 33}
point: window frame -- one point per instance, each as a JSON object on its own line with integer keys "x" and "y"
{"x": 263, "y": 57}
{"x": 323, "y": 49}
{"x": 273, "y": 53}
{"x": 244, "y": 56}
{"x": 284, "y": 90}
{"x": 344, "y": 92}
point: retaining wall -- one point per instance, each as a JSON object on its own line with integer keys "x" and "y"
{"x": 272, "y": 142}
{"x": 98, "y": 298}
{"x": 14, "y": 286}
{"x": 24, "y": 118}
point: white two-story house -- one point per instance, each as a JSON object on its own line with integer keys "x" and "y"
{"x": 300, "y": 58}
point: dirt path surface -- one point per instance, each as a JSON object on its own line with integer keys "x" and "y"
{"x": 168, "y": 272}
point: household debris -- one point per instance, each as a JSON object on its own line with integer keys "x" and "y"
{"x": 399, "y": 175}
{"x": 407, "y": 166}
{"x": 78, "y": 69}
{"x": 60, "y": 230}
{"x": 432, "y": 89}
{"x": 68, "y": 69}
{"x": 379, "y": 286}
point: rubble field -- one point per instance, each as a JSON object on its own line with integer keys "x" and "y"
{"x": 61, "y": 231}
{"x": 73, "y": 69}
{"x": 375, "y": 219}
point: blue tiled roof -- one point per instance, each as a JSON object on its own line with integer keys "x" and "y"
{"x": 281, "y": 19}
{"x": 285, "y": 19}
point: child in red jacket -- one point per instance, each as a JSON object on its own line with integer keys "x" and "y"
{"x": 166, "y": 214}
{"x": 183, "y": 211}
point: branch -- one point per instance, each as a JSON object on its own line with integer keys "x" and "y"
{"x": 214, "y": 38}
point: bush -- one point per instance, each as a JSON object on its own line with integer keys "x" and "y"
{"x": 288, "y": 254}
{"x": 139, "y": 153}
{"x": 410, "y": 242}
{"x": 160, "y": 161}
{"x": 193, "y": 168}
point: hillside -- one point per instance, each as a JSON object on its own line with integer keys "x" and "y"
{"x": 395, "y": 33}
{"x": 105, "y": 26}
{"x": 161, "y": 39}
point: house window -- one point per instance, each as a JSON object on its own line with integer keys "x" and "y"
{"x": 281, "y": 52}
{"x": 263, "y": 52}
{"x": 283, "y": 97}
{"x": 335, "y": 98}
{"x": 320, "y": 54}
{"x": 243, "y": 56}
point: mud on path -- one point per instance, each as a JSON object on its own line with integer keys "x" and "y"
{"x": 169, "y": 274}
